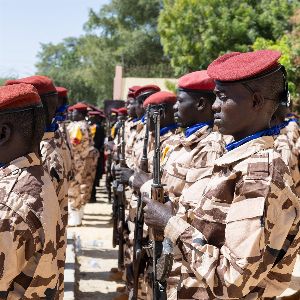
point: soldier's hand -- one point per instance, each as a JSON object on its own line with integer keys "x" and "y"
{"x": 157, "y": 214}
{"x": 123, "y": 174}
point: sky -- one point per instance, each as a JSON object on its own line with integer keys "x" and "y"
{"x": 24, "y": 24}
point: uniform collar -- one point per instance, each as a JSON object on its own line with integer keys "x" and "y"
{"x": 167, "y": 129}
{"x": 22, "y": 162}
{"x": 196, "y": 136}
{"x": 246, "y": 150}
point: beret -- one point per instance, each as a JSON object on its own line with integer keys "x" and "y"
{"x": 62, "y": 92}
{"x": 122, "y": 111}
{"x": 96, "y": 113}
{"x": 237, "y": 66}
{"x": 196, "y": 81}
{"x": 43, "y": 84}
{"x": 18, "y": 96}
{"x": 70, "y": 108}
{"x": 114, "y": 110}
{"x": 160, "y": 98}
{"x": 146, "y": 88}
{"x": 80, "y": 106}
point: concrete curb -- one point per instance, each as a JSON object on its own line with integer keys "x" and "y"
{"x": 70, "y": 268}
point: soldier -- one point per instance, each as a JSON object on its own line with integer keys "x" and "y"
{"x": 80, "y": 141}
{"x": 96, "y": 119}
{"x": 30, "y": 214}
{"x": 242, "y": 239}
{"x": 51, "y": 155}
{"x": 189, "y": 158}
{"x": 62, "y": 135}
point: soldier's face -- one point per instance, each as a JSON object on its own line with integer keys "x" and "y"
{"x": 139, "y": 109}
{"x": 234, "y": 111}
{"x": 131, "y": 108}
{"x": 186, "y": 110}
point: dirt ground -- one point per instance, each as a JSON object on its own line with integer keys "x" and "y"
{"x": 96, "y": 256}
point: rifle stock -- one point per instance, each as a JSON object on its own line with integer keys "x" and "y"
{"x": 121, "y": 196}
{"x": 139, "y": 219}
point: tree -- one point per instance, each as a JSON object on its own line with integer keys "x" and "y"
{"x": 122, "y": 32}
{"x": 195, "y": 32}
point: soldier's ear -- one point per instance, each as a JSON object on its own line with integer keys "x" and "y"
{"x": 5, "y": 133}
{"x": 201, "y": 103}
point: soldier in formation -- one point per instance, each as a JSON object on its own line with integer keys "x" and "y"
{"x": 204, "y": 183}
{"x": 212, "y": 206}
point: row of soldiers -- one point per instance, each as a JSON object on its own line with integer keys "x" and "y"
{"x": 205, "y": 184}
{"x": 47, "y": 170}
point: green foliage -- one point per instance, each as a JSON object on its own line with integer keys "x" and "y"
{"x": 195, "y": 32}
{"x": 2, "y": 80}
{"x": 123, "y": 32}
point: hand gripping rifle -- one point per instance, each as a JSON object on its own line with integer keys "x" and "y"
{"x": 139, "y": 219}
{"x": 157, "y": 194}
{"x": 121, "y": 197}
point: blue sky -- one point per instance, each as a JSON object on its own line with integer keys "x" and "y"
{"x": 24, "y": 24}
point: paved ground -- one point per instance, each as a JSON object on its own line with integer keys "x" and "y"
{"x": 95, "y": 254}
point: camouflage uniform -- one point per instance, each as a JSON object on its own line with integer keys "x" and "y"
{"x": 80, "y": 149}
{"x": 190, "y": 160}
{"x": 30, "y": 231}
{"x": 286, "y": 145}
{"x": 242, "y": 239}
{"x": 63, "y": 143}
{"x": 89, "y": 174}
{"x": 54, "y": 164}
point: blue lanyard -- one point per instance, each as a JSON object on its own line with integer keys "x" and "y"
{"x": 166, "y": 129}
{"x": 143, "y": 119}
{"x": 275, "y": 130}
{"x": 192, "y": 129}
{"x": 2, "y": 165}
{"x": 136, "y": 119}
{"x": 53, "y": 127}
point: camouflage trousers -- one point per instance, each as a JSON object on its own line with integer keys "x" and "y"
{"x": 88, "y": 175}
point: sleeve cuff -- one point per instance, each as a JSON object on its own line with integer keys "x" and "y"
{"x": 175, "y": 227}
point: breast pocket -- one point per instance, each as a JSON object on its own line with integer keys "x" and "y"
{"x": 210, "y": 220}
{"x": 244, "y": 227}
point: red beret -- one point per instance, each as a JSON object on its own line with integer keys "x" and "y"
{"x": 122, "y": 111}
{"x": 114, "y": 110}
{"x": 196, "y": 81}
{"x": 18, "y": 96}
{"x": 146, "y": 88}
{"x": 160, "y": 98}
{"x": 96, "y": 113}
{"x": 62, "y": 92}
{"x": 236, "y": 66}
{"x": 43, "y": 84}
{"x": 80, "y": 106}
{"x": 70, "y": 108}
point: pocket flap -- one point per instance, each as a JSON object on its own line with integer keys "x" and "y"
{"x": 246, "y": 209}
{"x": 199, "y": 173}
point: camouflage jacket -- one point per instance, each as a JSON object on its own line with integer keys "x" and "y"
{"x": 62, "y": 143}
{"x": 54, "y": 164}
{"x": 285, "y": 144}
{"x": 80, "y": 143}
{"x": 190, "y": 160}
{"x": 130, "y": 136}
{"x": 243, "y": 237}
{"x": 30, "y": 225}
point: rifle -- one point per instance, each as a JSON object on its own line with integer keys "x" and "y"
{"x": 121, "y": 196}
{"x": 115, "y": 208}
{"x": 108, "y": 180}
{"x": 160, "y": 273}
{"x": 139, "y": 220}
